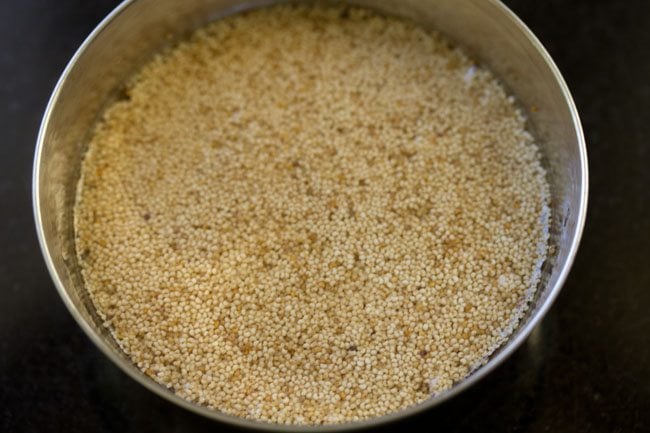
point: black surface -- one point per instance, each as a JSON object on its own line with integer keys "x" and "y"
{"x": 587, "y": 367}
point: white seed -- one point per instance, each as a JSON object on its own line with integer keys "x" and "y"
{"x": 301, "y": 218}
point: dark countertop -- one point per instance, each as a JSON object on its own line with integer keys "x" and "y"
{"x": 585, "y": 369}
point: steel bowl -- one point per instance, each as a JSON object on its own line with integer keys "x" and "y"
{"x": 136, "y": 29}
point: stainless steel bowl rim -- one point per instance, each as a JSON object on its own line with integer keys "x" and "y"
{"x": 511, "y": 346}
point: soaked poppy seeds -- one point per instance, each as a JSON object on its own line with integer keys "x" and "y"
{"x": 311, "y": 215}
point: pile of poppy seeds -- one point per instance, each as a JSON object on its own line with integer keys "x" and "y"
{"x": 309, "y": 215}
